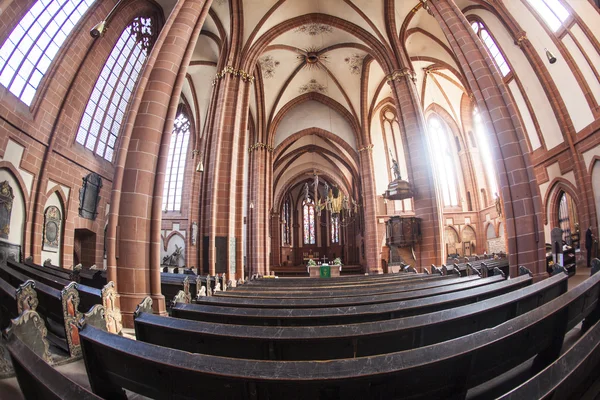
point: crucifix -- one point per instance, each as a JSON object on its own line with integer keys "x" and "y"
{"x": 324, "y": 259}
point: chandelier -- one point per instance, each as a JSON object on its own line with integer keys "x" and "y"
{"x": 343, "y": 208}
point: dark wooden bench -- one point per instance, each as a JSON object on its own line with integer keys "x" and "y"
{"x": 342, "y": 280}
{"x": 86, "y": 276}
{"x": 13, "y": 301}
{"x": 332, "y": 291}
{"x": 60, "y": 309}
{"x": 442, "y": 370}
{"x": 67, "y": 274}
{"x": 38, "y": 380}
{"x": 88, "y": 296}
{"x": 569, "y": 377}
{"x": 333, "y": 284}
{"x": 171, "y": 284}
{"x": 411, "y": 303}
{"x": 343, "y": 341}
{"x": 93, "y": 277}
{"x": 362, "y": 298}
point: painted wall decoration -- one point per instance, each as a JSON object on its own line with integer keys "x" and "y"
{"x": 89, "y": 196}
{"x": 6, "y": 202}
{"x": 312, "y": 86}
{"x": 268, "y": 65}
{"x": 52, "y": 226}
{"x": 314, "y": 29}
{"x": 355, "y": 62}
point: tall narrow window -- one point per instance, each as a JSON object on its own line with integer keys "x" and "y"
{"x": 32, "y": 45}
{"x": 444, "y": 166}
{"x": 335, "y": 229}
{"x": 485, "y": 151}
{"x": 308, "y": 213}
{"x": 567, "y": 216}
{"x": 287, "y": 220}
{"x": 178, "y": 147}
{"x": 551, "y": 11}
{"x": 489, "y": 42}
{"x": 106, "y": 107}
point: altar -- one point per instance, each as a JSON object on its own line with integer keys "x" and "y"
{"x": 324, "y": 271}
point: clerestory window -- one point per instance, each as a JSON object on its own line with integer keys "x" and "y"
{"x": 105, "y": 110}
{"x": 33, "y": 44}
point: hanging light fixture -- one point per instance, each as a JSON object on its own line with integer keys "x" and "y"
{"x": 551, "y": 58}
{"x": 99, "y": 29}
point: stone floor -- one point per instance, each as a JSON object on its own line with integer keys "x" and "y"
{"x": 9, "y": 388}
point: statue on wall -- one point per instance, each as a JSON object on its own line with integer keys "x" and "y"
{"x": 52, "y": 225}
{"x": 173, "y": 259}
{"x": 6, "y": 202}
{"x": 395, "y": 168}
{"x": 498, "y": 205}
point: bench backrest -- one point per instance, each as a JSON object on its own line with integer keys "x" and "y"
{"x": 411, "y": 303}
{"x": 38, "y": 380}
{"x": 343, "y": 341}
{"x": 457, "y": 365}
{"x": 331, "y": 301}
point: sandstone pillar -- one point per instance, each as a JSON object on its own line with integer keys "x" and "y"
{"x": 138, "y": 197}
{"x": 372, "y": 245}
{"x": 420, "y": 168}
{"x": 518, "y": 187}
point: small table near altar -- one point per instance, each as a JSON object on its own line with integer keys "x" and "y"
{"x": 324, "y": 271}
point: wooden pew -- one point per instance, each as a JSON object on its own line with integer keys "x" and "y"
{"x": 367, "y": 281}
{"x": 361, "y": 298}
{"x": 38, "y": 380}
{"x": 95, "y": 278}
{"x": 411, "y": 303}
{"x": 13, "y": 301}
{"x": 88, "y": 296}
{"x": 343, "y": 341}
{"x": 67, "y": 274}
{"x": 114, "y": 362}
{"x": 59, "y": 308}
{"x": 569, "y": 377}
{"x": 293, "y": 282}
{"x": 377, "y": 288}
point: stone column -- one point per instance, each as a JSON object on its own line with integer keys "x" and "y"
{"x": 223, "y": 185}
{"x": 139, "y": 213}
{"x": 420, "y": 168}
{"x": 518, "y": 186}
{"x": 258, "y": 228}
{"x": 372, "y": 245}
{"x": 275, "y": 239}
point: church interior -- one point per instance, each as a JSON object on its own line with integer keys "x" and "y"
{"x": 328, "y": 199}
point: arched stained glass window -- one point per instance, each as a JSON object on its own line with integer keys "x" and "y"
{"x": 444, "y": 166}
{"x": 287, "y": 222}
{"x": 103, "y": 116}
{"x": 489, "y": 42}
{"x": 335, "y": 229}
{"x": 308, "y": 214}
{"x": 32, "y": 45}
{"x": 173, "y": 189}
{"x": 551, "y": 11}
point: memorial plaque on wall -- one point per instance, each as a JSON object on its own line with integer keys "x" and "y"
{"x": 89, "y": 196}
{"x": 9, "y": 251}
{"x": 6, "y": 202}
{"x": 52, "y": 226}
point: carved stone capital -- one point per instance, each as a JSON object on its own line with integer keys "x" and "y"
{"x": 404, "y": 73}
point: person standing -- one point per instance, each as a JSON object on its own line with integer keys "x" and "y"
{"x": 589, "y": 241}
